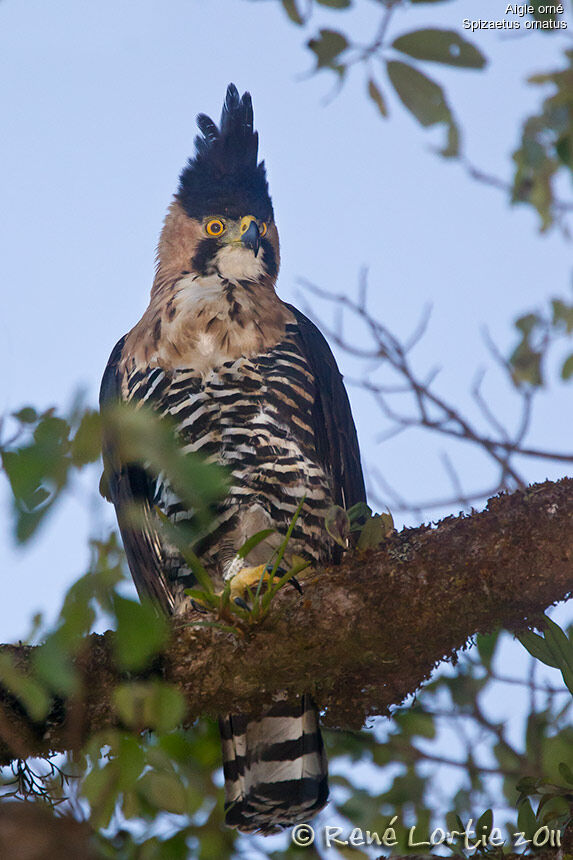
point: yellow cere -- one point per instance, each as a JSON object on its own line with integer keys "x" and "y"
{"x": 246, "y": 222}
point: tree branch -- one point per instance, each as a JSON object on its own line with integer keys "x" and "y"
{"x": 363, "y": 635}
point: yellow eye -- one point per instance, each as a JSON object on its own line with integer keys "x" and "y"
{"x": 262, "y": 229}
{"x": 215, "y": 227}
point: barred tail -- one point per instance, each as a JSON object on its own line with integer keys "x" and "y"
{"x": 275, "y": 767}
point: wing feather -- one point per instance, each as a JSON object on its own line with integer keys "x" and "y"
{"x": 334, "y": 429}
{"x": 130, "y": 489}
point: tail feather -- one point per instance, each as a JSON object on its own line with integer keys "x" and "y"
{"x": 275, "y": 767}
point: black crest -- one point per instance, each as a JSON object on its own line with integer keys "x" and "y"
{"x": 224, "y": 178}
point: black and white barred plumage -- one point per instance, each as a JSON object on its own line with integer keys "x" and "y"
{"x": 274, "y": 765}
{"x": 250, "y": 383}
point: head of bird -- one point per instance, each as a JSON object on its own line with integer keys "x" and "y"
{"x": 221, "y": 222}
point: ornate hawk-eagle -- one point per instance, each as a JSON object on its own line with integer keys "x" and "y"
{"x": 250, "y": 383}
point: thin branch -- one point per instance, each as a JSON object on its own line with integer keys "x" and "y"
{"x": 428, "y": 410}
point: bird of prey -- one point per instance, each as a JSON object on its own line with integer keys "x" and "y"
{"x": 251, "y": 384}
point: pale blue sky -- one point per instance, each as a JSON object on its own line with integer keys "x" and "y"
{"x": 98, "y": 105}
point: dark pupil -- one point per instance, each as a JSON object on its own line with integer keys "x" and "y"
{"x": 215, "y": 227}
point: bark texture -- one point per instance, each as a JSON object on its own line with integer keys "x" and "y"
{"x": 361, "y": 637}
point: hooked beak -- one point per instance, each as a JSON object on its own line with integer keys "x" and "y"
{"x": 251, "y": 238}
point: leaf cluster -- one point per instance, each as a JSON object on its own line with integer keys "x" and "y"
{"x": 148, "y": 772}
{"x": 538, "y": 331}
{"x": 546, "y": 149}
{"x": 40, "y": 457}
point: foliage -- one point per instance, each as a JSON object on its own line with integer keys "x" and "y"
{"x": 398, "y": 63}
{"x": 152, "y": 789}
{"x": 538, "y": 331}
{"x": 546, "y": 149}
{"x": 554, "y": 649}
{"x": 39, "y": 457}
{"x": 157, "y": 794}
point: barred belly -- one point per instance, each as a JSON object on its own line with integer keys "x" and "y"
{"x": 253, "y": 415}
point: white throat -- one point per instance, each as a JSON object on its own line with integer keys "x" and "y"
{"x": 235, "y": 263}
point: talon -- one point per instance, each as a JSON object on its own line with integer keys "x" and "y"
{"x": 280, "y": 571}
{"x": 198, "y": 607}
{"x": 295, "y": 584}
{"x": 242, "y": 603}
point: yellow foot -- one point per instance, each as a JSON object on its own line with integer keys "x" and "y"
{"x": 248, "y": 577}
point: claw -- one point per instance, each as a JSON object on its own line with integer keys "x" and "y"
{"x": 198, "y": 607}
{"x": 295, "y": 584}
{"x": 242, "y": 603}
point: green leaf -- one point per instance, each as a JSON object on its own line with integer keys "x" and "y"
{"x": 327, "y": 47}
{"x": 149, "y": 705}
{"x": 86, "y": 444}
{"x": 99, "y": 787}
{"x": 484, "y": 823}
{"x": 526, "y": 365}
{"x": 452, "y": 147}
{"x": 566, "y": 772}
{"x": 375, "y": 531}
{"x": 37, "y": 472}
{"x": 546, "y": 146}
{"x": 526, "y": 820}
{"x": 440, "y": 46}
{"x": 567, "y": 369}
{"x": 548, "y": 13}
{"x": 561, "y": 648}
{"x": 254, "y": 541}
{"x": 538, "y": 648}
{"x": 421, "y": 96}
{"x": 179, "y": 748}
{"x": 141, "y": 633}
{"x": 24, "y": 687}
{"x": 417, "y": 722}
{"x": 564, "y": 150}
{"x": 376, "y": 95}
{"x": 358, "y": 514}
{"x": 291, "y": 9}
{"x": 130, "y": 761}
{"x": 54, "y": 667}
{"x": 528, "y": 785}
{"x": 335, "y": 4}
{"x": 486, "y": 645}
{"x": 26, "y": 415}
{"x": 164, "y": 791}
{"x": 526, "y": 323}
{"x": 562, "y": 314}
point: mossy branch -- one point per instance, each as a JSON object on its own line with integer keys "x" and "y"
{"x": 361, "y": 637}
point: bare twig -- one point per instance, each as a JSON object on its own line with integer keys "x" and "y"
{"x": 426, "y": 409}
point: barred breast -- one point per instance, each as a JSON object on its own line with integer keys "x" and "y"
{"x": 253, "y": 415}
